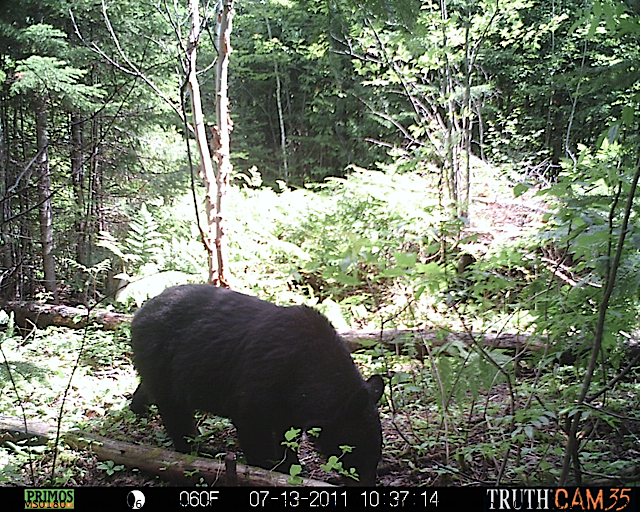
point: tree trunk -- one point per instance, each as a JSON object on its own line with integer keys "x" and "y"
{"x": 283, "y": 133}
{"x": 77, "y": 176}
{"x": 78, "y": 180}
{"x": 221, "y": 133}
{"x": 467, "y": 125}
{"x": 220, "y": 143}
{"x": 222, "y": 152}
{"x": 451, "y": 159}
{"x": 25, "y": 255}
{"x": 7, "y": 280}
{"x": 93, "y": 205}
{"x": 44, "y": 198}
{"x": 208, "y": 173}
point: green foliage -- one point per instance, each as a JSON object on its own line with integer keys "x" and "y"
{"x": 155, "y": 253}
{"x": 295, "y": 471}
{"x": 324, "y": 124}
{"x": 370, "y": 220}
{"x": 110, "y": 467}
{"x": 335, "y": 464}
{"x": 44, "y": 39}
{"x": 374, "y": 229}
{"x": 373, "y": 245}
{"x": 564, "y": 64}
{"x": 143, "y": 243}
{"x": 292, "y": 442}
{"x": 586, "y": 229}
{"x": 88, "y": 277}
{"x": 40, "y": 366}
{"x": 51, "y": 77}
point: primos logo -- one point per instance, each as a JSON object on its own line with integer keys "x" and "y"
{"x": 48, "y": 498}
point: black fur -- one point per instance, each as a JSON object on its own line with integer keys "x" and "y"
{"x": 266, "y": 367}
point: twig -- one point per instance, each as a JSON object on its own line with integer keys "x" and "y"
{"x": 132, "y": 69}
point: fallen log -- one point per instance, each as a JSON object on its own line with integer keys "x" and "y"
{"x": 175, "y": 467}
{"x": 32, "y": 314}
{"x": 397, "y": 338}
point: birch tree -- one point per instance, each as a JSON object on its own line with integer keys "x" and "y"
{"x": 221, "y": 138}
{"x": 215, "y": 161}
{"x": 216, "y": 179}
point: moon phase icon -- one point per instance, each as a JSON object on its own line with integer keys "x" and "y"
{"x": 135, "y": 500}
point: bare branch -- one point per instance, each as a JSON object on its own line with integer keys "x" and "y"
{"x": 389, "y": 118}
{"x": 130, "y": 68}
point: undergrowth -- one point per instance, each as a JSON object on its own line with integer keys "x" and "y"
{"x": 378, "y": 251}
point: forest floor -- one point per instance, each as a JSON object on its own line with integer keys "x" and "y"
{"x": 418, "y": 440}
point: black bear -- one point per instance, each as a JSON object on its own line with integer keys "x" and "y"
{"x": 267, "y": 367}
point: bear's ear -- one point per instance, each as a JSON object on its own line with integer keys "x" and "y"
{"x": 375, "y": 385}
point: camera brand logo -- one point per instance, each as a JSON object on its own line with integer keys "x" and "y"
{"x": 574, "y": 499}
{"x": 49, "y": 498}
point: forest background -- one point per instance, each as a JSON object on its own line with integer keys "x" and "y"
{"x": 369, "y": 144}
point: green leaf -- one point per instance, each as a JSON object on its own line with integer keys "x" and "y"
{"x": 405, "y": 260}
{"x": 612, "y": 133}
{"x": 394, "y": 272}
{"x": 628, "y": 115}
{"x": 520, "y": 189}
{"x": 432, "y": 269}
{"x": 292, "y": 433}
